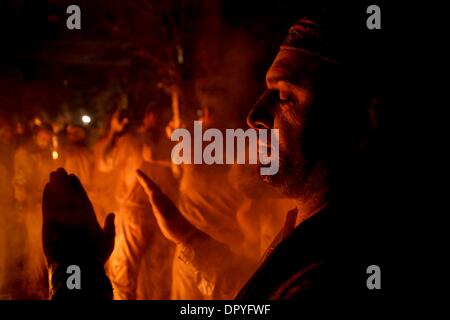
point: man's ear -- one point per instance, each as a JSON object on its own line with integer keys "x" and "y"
{"x": 371, "y": 116}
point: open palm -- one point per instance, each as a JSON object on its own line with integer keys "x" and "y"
{"x": 70, "y": 228}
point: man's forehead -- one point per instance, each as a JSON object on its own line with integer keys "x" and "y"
{"x": 293, "y": 66}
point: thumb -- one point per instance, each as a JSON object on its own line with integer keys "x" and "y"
{"x": 109, "y": 227}
{"x": 107, "y": 245}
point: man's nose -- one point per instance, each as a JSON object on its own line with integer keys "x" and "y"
{"x": 261, "y": 115}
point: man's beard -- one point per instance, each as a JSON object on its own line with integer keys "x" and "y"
{"x": 289, "y": 177}
{"x": 298, "y": 178}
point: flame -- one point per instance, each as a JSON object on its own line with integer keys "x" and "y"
{"x": 55, "y": 155}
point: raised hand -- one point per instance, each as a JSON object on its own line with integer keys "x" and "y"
{"x": 118, "y": 125}
{"x": 70, "y": 229}
{"x": 172, "y": 223}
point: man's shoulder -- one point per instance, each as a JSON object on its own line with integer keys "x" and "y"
{"x": 303, "y": 282}
{"x": 311, "y": 262}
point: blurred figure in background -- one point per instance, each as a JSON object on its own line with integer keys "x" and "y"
{"x": 137, "y": 232}
{"x": 7, "y": 217}
{"x": 78, "y": 158}
{"x": 32, "y": 164}
{"x": 103, "y": 182}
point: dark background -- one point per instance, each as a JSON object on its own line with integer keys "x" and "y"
{"x": 133, "y": 46}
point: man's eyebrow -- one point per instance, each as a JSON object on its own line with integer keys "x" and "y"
{"x": 289, "y": 83}
{"x": 289, "y": 80}
{"x": 277, "y": 79}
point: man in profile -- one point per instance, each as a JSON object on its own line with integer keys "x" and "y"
{"x": 326, "y": 110}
